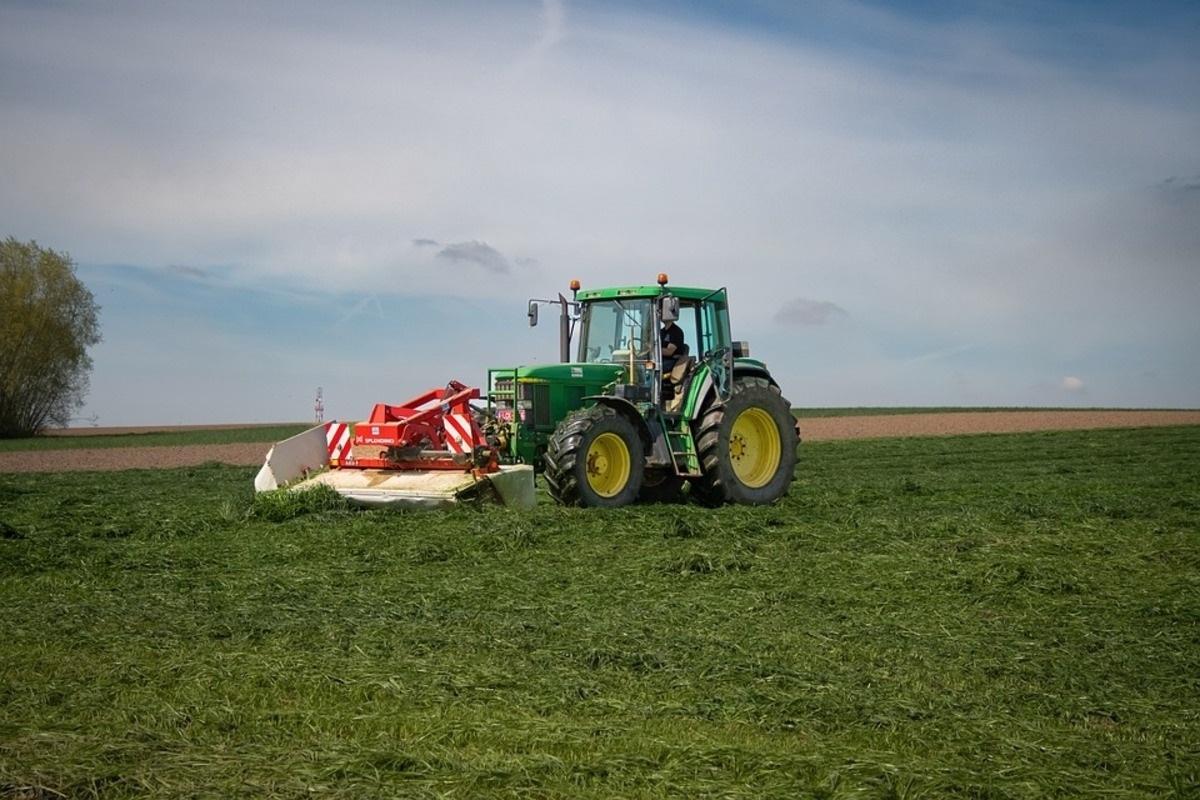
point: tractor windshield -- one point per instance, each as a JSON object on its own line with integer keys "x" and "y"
{"x": 612, "y": 327}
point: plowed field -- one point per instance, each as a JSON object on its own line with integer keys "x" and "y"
{"x": 815, "y": 429}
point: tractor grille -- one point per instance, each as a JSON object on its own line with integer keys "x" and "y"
{"x": 541, "y": 405}
{"x": 533, "y": 404}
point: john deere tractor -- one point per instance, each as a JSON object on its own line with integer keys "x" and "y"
{"x": 610, "y": 426}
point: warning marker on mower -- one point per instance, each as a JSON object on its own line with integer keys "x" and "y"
{"x": 461, "y": 433}
{"x": 337, "y": 440}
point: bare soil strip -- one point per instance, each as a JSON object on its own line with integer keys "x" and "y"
{"x": 966, "y": 422}
{"x": 812, "y": 430}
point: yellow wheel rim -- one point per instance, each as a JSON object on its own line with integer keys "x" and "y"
{"x": 755, "y": 448}
{"x": 608, "y": 465}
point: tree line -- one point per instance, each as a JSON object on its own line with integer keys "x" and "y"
{"x": 48, "y": 320}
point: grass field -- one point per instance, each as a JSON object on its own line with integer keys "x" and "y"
{"x": 981, "y": 617}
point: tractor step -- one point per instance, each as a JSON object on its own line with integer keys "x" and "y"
{"x": 683, "y": 452}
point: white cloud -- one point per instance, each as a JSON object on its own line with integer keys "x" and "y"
{"x": 1071, "y": 384}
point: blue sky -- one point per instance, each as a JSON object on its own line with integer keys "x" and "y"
{"x": 921, "y": 203}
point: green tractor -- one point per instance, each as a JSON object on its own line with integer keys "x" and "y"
{"x": 612, "y": 427}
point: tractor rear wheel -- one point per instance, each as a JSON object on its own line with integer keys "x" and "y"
{"x": 747, "y": 446}
{"x": 595, "y": 458}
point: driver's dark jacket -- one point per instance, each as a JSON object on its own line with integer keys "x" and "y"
{"x": 672, "y": 334}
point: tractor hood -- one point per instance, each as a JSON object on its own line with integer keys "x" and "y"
{"x": 562, "y": 373}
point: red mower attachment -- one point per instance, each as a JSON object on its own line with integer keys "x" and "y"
{"x": 425, "y": 452}
{"x": 434, "y": 430}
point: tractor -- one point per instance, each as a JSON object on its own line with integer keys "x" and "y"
{"x": 611, "y": 426}
{"x": 608, "y": 428}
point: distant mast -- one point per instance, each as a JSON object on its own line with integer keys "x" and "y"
{"x": 319, "y": 405}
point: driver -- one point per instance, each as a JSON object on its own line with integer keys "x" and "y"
{"x": 671, "y": 338}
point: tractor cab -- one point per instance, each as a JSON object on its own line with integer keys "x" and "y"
{"x": 622, "y": 326}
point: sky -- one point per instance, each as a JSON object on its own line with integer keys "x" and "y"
{"x": 974, "y": 203}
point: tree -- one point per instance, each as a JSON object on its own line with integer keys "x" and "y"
{"x": 48, "y": 319}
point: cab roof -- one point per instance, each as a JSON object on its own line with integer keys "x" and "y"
{"x": 653, "y": 290}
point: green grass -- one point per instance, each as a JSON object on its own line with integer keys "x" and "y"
{"x": 263, "y": 433}
{"x": 975, "y": 617}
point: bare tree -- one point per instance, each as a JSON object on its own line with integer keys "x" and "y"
{"x": 48, "y": 319}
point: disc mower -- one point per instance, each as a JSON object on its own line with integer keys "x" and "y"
{"x": 427, "y": 452}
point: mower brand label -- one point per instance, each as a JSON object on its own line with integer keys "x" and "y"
{"x": 576, "y": 372}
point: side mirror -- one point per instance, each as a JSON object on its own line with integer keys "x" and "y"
{"x": 533, "y": 312}
{"x": 670, "y": 309}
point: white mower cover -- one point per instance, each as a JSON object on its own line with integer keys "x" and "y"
{"x": 293, "y": 458}
{"x": 308, "y": 452}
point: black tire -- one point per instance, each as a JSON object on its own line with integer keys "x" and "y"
{"x": 714, "y": 429}
{"x": 661, "y": 486}
{"x": 573, "y": 453}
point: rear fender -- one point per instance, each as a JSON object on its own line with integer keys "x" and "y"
{"x": 751, "y": 371}
{"x": 703, "y": 391}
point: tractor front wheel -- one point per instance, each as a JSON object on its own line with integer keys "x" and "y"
{"x": 747, "y": 446}
{"x": 595, "y": 458}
